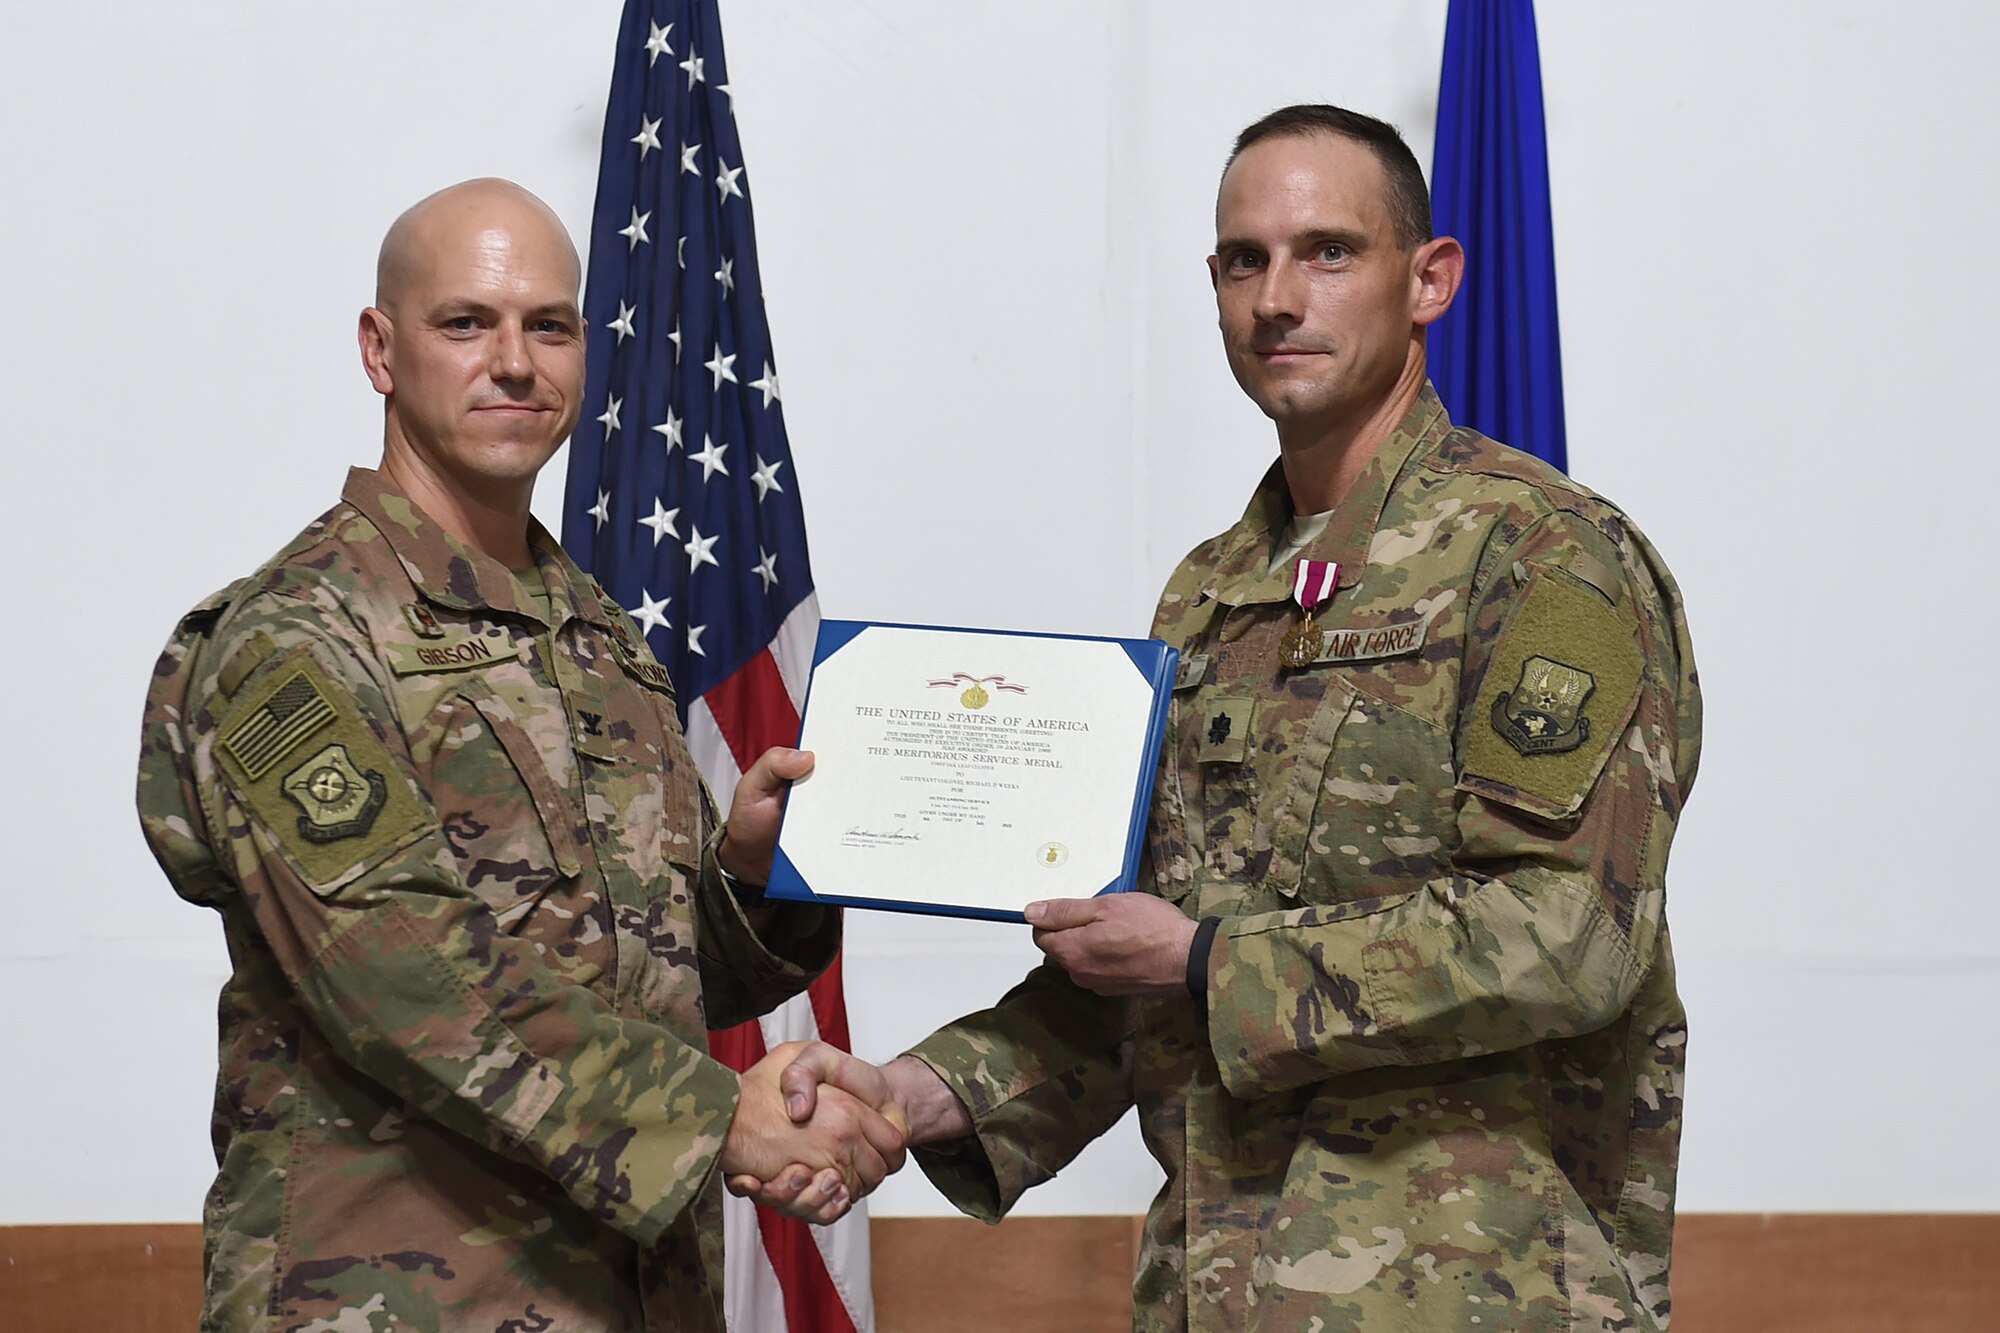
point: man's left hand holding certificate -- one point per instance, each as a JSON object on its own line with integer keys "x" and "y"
{"x": 971, "y": 772}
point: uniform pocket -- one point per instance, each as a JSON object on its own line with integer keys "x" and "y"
{"x": 503, "y": 812}
{"x": 1382, "y": 821}
{"x": 1309, "y": 733}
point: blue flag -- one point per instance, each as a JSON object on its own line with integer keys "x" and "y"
{"x": 1496, "y": 357}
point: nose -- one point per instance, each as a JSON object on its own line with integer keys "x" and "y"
{"x": 1280, "y": 295}
{"x": 511, "y": 362}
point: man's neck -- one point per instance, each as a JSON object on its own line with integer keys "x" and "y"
{"x": 492, "y": 520}
{"x": 1323, "y": 460}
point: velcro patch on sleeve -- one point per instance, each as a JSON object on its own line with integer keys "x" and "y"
{"x": 311, "y": 770}
{"x": 243, "y": 663}
{"x": 1559, "y": 690}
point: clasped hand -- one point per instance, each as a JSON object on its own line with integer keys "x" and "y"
{"x": 820, "y": 1161}
{"x": 1121, "y": 944}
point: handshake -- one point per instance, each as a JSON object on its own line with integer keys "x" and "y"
{"x": 817, "y": 1129}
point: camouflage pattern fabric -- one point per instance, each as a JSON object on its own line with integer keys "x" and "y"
{"x": 463, "y": 862}
{"x": 1438, "y": 1082}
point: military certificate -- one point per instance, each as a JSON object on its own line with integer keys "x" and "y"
{"x": 972, "y": 772}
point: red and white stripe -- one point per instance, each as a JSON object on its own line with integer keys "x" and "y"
{"x": 1313, "y": 581}
{"x": 783, "y": 1276}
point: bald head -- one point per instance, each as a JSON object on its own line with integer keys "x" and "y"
{"x": 470, "y": 214}
{"x": 476, "y": 345}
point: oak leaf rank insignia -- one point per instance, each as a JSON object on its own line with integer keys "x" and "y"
{"x": 338, "y": 798}
{"x": 1544, "y": 713}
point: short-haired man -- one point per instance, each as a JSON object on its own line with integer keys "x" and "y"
{"x": 1398, "y": 1010}
{"x": 478, "y": 908}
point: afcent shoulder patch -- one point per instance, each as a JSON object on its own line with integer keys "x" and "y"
{"x": 311, "y": 770}
{"x": 1562, "y": 684}
{"x": 1544, "y": 713}
{"x": 338, "y": 798}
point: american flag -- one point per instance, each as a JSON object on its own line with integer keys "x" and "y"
{"x": 682, "y": 500}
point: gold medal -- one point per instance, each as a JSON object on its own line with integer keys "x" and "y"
{"x": 1313, "y": 581}
{"x": 1301, "y": 644}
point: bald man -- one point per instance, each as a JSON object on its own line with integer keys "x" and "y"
{"x": 480, "y": 910}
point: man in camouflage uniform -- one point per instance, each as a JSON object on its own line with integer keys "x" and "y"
{"x": 479, "y": 913}
{"x": 1399, "y": 1011}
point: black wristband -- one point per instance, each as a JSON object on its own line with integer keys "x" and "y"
{"x": 1197, "y": 964}
{"x": 746, "y": 894}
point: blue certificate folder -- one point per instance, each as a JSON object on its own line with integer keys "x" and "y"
{"x": 882, "y": 877}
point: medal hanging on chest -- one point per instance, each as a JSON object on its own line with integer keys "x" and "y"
{"x": 1313, "y": 581}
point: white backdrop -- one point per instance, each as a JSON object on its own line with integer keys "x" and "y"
{"x": 982, "y": 229}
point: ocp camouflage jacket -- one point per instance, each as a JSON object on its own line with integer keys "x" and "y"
{"x": 1437, "y": 1083}
{"x": 461, "y": 857}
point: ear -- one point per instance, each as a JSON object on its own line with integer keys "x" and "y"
{"x": 374, "y": 335}
{"x": 1214, "y": 273}
{"x": 1435, "y": 273}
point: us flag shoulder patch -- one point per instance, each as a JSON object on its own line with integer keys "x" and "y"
{"x": 278, "y": 726}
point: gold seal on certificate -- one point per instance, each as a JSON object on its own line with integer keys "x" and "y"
{"x": 972, "y": 772}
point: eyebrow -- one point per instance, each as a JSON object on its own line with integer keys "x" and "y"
{"x": 452, "y": 309}
{"x": 1347, "y": 236}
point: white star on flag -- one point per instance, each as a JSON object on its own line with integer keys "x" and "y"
{"x": 688, "y": 168}
{"x": 610, "y": 416}
{"x": 648, "y": 137}
{"x": 694, "y": 640}
{"x": 622, "y": 326}
{"x": 726, "y": 181}
{"x": 693, "y": 66}
{"x": 681, "y": 255}
{"x": 768, "y": 383}
{"x": 726, "y": 275}
{"x": 767, "y": 568}
{"x": 765, "y": 478}
{"x": 662, "y": 522}
{"x": 719, "y": 365}
{"x": 651, "y": 614}
{"x": 671, "y": 428}
{"x": 729, "y": 93}
{"x": 675, "y": 339}
{"x": 637, "y": 231}
{"x": 600, "y": 511}
{"x": 698, "y": 550}
{"x": 656, "y": 42}
{"x": 710, "y": 458}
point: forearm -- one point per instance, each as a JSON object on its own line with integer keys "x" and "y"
{"x": 1458, "y": 969}
{"x": 932, "y": 1109}
{"x": 1039, "y": 1076}
{"x": 755, "y": 952}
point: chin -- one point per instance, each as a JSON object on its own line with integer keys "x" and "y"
{"x": 512, "y": 461}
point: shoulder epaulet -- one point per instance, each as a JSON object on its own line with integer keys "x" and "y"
{"x": 1467, "y": 451}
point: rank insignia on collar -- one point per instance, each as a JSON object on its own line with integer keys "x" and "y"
{"x": 1544, "y": 713}
{"x": 423, "y": 621}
